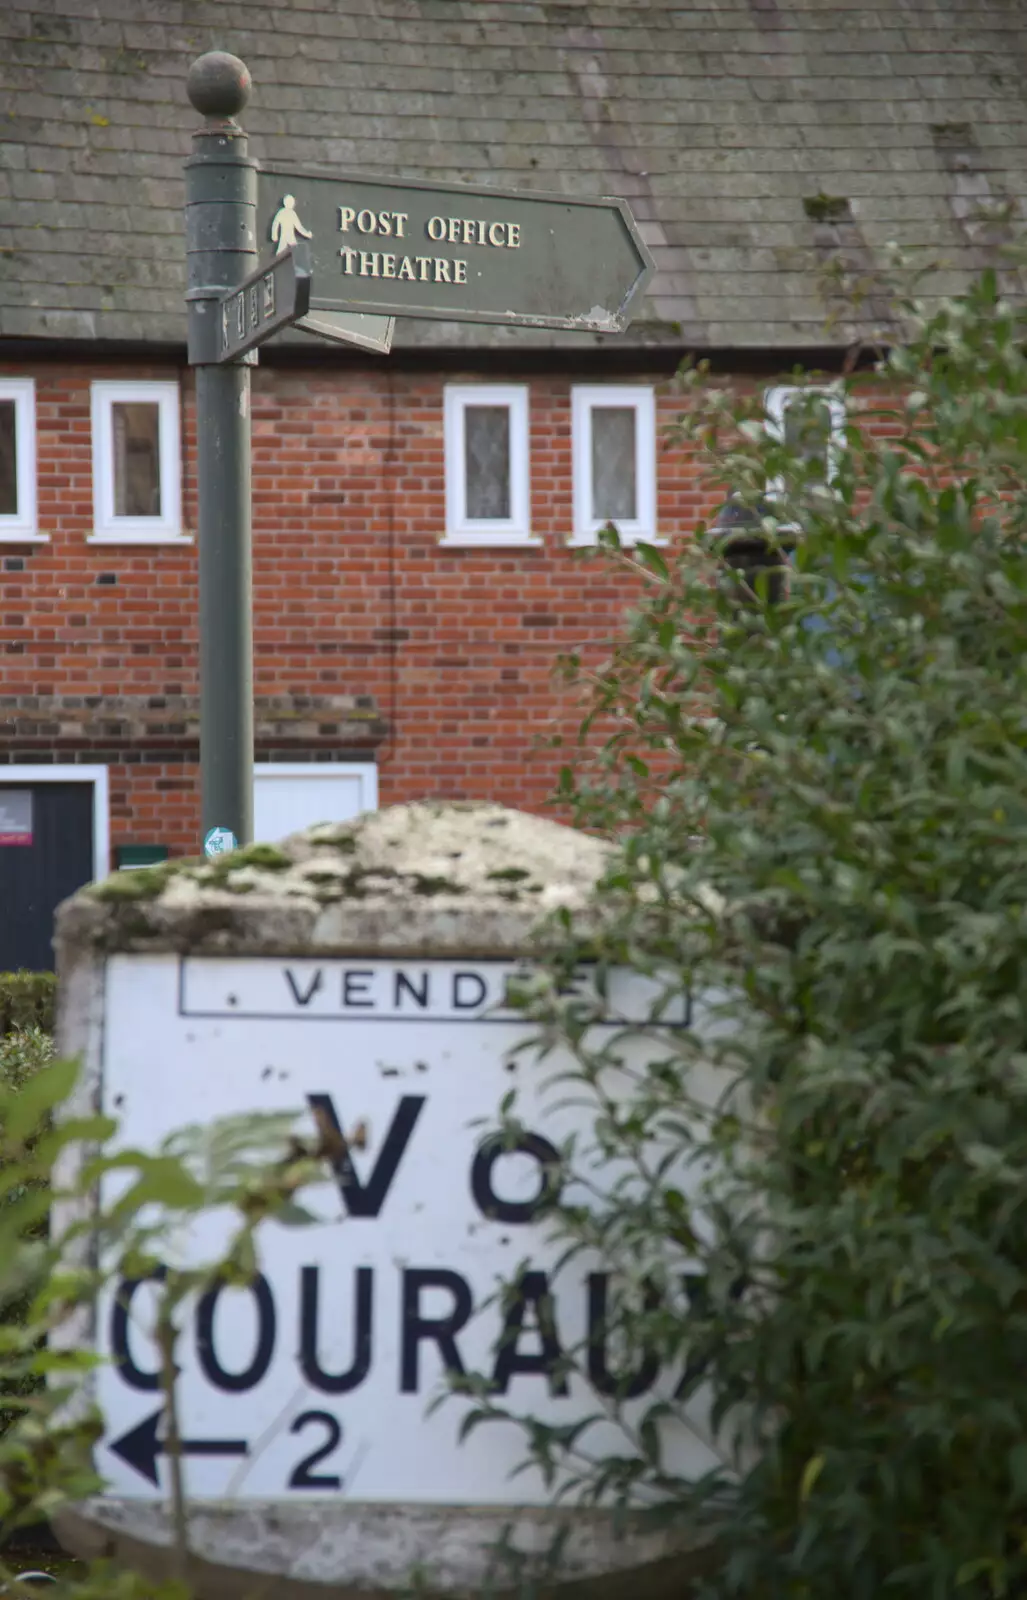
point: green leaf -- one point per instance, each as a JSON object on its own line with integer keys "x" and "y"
{"x": 650, "y": 557}
{"x": 292, "y": 1215}
{"x": 24, "y": 1112}
{"x": 810, "y": 1473}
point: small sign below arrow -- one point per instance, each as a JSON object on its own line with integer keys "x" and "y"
{"x": 351, "y": 327}
{"x": 141, "y": 1446}
{"x": 269, "y": 299}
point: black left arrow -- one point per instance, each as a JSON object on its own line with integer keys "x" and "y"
{"x": 141, "y": 1446}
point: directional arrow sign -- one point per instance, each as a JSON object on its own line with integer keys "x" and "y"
{"x": 465, "y": 255}
{"x": 141, "y": 1446}
{"x": 265, "y": 302}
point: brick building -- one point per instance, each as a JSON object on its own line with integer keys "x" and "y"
{"x": 417, "y": 518}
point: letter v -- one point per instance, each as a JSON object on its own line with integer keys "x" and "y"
{"x": 300, "y": 998}
{"x": 366, "y": 1199}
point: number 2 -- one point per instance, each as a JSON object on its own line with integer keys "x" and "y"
{"x": 302, "y": 1477}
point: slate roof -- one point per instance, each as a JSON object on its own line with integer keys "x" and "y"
{"x": 756, "y": 141}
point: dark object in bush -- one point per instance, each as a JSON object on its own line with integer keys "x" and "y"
{"x": 27, "y": 1001}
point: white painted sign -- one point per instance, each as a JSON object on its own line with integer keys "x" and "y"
{"x": 316, "y": 1381}
{"x": 16, "y": 816}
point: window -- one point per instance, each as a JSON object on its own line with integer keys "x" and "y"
{"x": 614, "y": 448}
{"x": 486, "y": 439}
{"x": 18, "y": 459}
{"x": 136, "y": 464}
{"x": 755, "y": 565}
{"x": 810, "y": 421}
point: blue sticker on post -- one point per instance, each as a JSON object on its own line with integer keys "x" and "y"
{"x": 219, "y": 841}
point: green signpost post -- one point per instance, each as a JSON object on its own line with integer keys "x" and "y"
{"x": 343, "y": 254}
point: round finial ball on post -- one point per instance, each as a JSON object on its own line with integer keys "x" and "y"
{"x": 219, "y": 84}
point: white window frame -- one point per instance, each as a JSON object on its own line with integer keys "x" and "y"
{"x": 469, "y": 531}
{"x": 775, "y": 404}
{"x": 105, "y": 393}
{"x": 99, "y": 778}
{"x": 585, "y": 399}
{"x": 21, "y": 527}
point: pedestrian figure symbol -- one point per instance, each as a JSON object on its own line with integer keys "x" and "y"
{"x": 286, "y": 226}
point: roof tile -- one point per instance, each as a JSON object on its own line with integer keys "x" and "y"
{"x": 721, "y": 130}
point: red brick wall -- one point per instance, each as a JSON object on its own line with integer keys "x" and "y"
{"x": 352, "y": 594}
{"x": 154, "y": 802}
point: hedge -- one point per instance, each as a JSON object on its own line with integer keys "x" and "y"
{"x": 27, "y": 1001}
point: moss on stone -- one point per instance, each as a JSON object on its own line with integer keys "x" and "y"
{"x": 267, "y": 856}
{"x": 364, "y": 881}
{"x": 412, "y": 858}
{"x": 215, "y": 874}
{"x": 424, "y": 883}
{"x": 141, "y": 883}
{"x": 359, "y": 883}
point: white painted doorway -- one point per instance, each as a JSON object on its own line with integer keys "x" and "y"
{"x": 291, "y": 795}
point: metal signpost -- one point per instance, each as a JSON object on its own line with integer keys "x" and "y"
{"x": 344, "y": 254}
{"x": 221, "y": 245}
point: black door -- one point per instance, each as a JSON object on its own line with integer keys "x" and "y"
{"x": 36, "y": 876}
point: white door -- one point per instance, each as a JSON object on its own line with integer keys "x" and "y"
{"x": 292, "y": 795}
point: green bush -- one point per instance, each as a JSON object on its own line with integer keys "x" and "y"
{"x": 27, "y": 1001}
{"x": 249, "y": 1168}
{"x": 821, "y": 809}
{"x": 22, "y": 1055}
